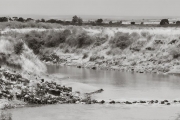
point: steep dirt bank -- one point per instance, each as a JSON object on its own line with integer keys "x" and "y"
{"x": 129, "y": 49}
{"x": 134, "y": 62}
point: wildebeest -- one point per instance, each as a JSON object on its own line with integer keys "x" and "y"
{"x": 55, "y": 92}
{"x": 23, "y": 80}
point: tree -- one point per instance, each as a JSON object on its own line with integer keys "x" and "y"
{"x": 99, "y": 21}
{"x": 18, "y": 48}
{"x": 37, "y": 21}
{"x": 80, "y": 21}
{"x": 20, "y": 19}
{"x": 43, "y": 20}
{"x": 164, "y": 22}
{"x": 178, "y": 23}
{"x": 52, "y": 21}
{"x": 110, "y": 22}
{"x": 3, "y": 19}
{"x": 75, "y": 19}
{"x": 133, "y": 23}
{"x": 29, "y": 19}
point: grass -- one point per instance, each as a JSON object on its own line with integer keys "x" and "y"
{"x": 16, "y": 54}
{"x": 18, "y": 48}
{"x": 96, "y": 57}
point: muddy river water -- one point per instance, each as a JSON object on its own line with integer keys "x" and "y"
{"x": 117, "y": 86}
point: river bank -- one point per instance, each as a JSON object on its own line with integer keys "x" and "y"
{"x": 20, "y": 89}
{"x": 142, "y": 66}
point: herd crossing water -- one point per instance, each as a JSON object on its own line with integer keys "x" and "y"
{"x": 117, "y": 85}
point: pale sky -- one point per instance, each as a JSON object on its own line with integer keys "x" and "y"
{"x": 91, "y": 7}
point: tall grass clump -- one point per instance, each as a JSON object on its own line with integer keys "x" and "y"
{"x": 54, "y": 38}
{"x": 14, "y": 53}
{"x": 96, "y": 57}
{"x": 18, "y": 48}
{"x": 121, "y": 40}
{"x": 80, "y": 40}
{"x": 100, "y": 40}
{"x": 34, "y": 43}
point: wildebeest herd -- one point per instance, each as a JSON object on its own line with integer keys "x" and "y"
{"x": 40, "y": 93}
{"x": 14, "y": 86}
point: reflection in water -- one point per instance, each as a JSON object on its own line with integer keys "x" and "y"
{"x": 4, "y": 115}
{"x": 97, "y": 112}
{"x": 123, "y": 85}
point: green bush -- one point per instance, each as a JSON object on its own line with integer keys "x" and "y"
{"x": 18, "y": 48}
{"x": 100, "y": 40}
{"x": 95, "y": 57}
{"x": 80, "y": 41}
{"x": 121, "y": 40}
{"x": 54, "y": 38}
{"x": 34, "y": 43}
{"x": 84, "y": 40}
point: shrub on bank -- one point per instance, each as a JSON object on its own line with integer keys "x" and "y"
{"x": 95, "y": 57}
{"x": 80, "y": 41}
{"x": 37, "y": 40}
{"x": 84, "y": 40}
{"x": 18, "y": 48}
{"x": 100, "y": 40}
{"x": 121, "y": 40}
{"x": 53, "y": 39}
{"x": 34, "y": 43}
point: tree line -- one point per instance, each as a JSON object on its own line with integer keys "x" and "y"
{"x": 77, "y": 21}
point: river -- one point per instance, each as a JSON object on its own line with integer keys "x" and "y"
{"x": 117, "y": 86}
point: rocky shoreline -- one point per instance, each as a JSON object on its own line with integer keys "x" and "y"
{"x": 18, "y": 91}
{"x": 107, "y": 64}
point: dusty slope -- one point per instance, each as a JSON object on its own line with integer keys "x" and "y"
{"x": 152, "y": 50}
